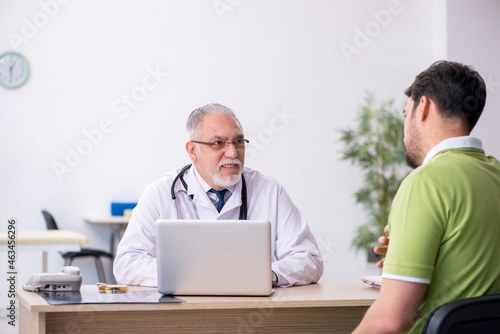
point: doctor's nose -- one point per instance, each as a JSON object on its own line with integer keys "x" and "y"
{"x": 231, "y": 151}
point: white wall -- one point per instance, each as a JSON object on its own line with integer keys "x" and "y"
{"x": 472, "y": 39}
{"x": 261, "y": 58}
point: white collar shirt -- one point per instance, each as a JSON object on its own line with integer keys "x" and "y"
{"x": 453, "y": 143}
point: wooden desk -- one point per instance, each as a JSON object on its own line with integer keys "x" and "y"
{"x": 118, "y": 225}
{"x": 45, "y": 241}
{"x": 317, "y": 308}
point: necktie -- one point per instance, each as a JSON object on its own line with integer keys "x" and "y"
{"x": 219, "y": 194}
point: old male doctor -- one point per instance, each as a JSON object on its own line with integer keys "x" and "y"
{"x": 211, "y": 188}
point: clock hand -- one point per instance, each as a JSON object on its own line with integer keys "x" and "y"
{"x": 11, "y": 68}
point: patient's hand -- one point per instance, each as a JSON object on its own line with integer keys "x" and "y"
{"x": 382, "y": 248}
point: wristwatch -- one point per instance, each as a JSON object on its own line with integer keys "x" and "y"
{"x": 275, "y": 279}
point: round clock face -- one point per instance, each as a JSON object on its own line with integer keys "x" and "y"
{"x": 14, "y": 70}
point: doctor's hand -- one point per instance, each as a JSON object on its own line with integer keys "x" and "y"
{"x": 382, "y": 248}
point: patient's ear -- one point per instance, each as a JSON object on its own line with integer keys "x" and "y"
{"x": 424, "y": 107}
{"x": 192, "y": 150}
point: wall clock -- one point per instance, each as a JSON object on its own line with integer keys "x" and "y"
{"x": 14, "y": 70}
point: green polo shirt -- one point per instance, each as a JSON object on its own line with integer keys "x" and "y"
{"x": 444, "y": 229}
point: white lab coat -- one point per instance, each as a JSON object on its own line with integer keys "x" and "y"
{"x": 296, "y": 257}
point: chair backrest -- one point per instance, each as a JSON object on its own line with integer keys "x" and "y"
{"x": 470, "y": 315}
{"x": 49, "y": 220}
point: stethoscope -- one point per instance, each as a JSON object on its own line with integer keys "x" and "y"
{"x": 243, "y": 208}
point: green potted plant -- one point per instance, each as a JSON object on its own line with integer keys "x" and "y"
{"x": 376, "y": 146}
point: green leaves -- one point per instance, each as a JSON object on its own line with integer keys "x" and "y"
{"x": 376, "y": 146}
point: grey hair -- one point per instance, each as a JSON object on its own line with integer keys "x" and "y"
{"x": 196, "y": 116}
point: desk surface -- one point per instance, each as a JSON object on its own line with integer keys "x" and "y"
{"x": 317, "y": 308}
{"x": 108, "y": 220}
{"x": 314, "y": 295}
{"x": 47, "y": 237}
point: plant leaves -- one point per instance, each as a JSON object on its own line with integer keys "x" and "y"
{"x": 375, "y": 145}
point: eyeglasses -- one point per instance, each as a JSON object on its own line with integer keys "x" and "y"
{"x": 220, "y": 144}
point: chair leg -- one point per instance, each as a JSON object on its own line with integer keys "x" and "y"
{"x": 68, "y": 261}
{"x": 100, "y": 270}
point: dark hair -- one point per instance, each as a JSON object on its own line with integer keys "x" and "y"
{"x": 456, "y": 89}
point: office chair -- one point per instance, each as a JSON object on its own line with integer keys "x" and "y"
{"x": 84, "y": 252}
{"x": 465, "y": 316}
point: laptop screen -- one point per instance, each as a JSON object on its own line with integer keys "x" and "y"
{"x": 219, "y": 257}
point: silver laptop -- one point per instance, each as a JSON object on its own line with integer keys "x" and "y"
{"x": 219, "y": 257}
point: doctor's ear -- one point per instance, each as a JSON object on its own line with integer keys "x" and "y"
{"x": 192, "y": 150}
